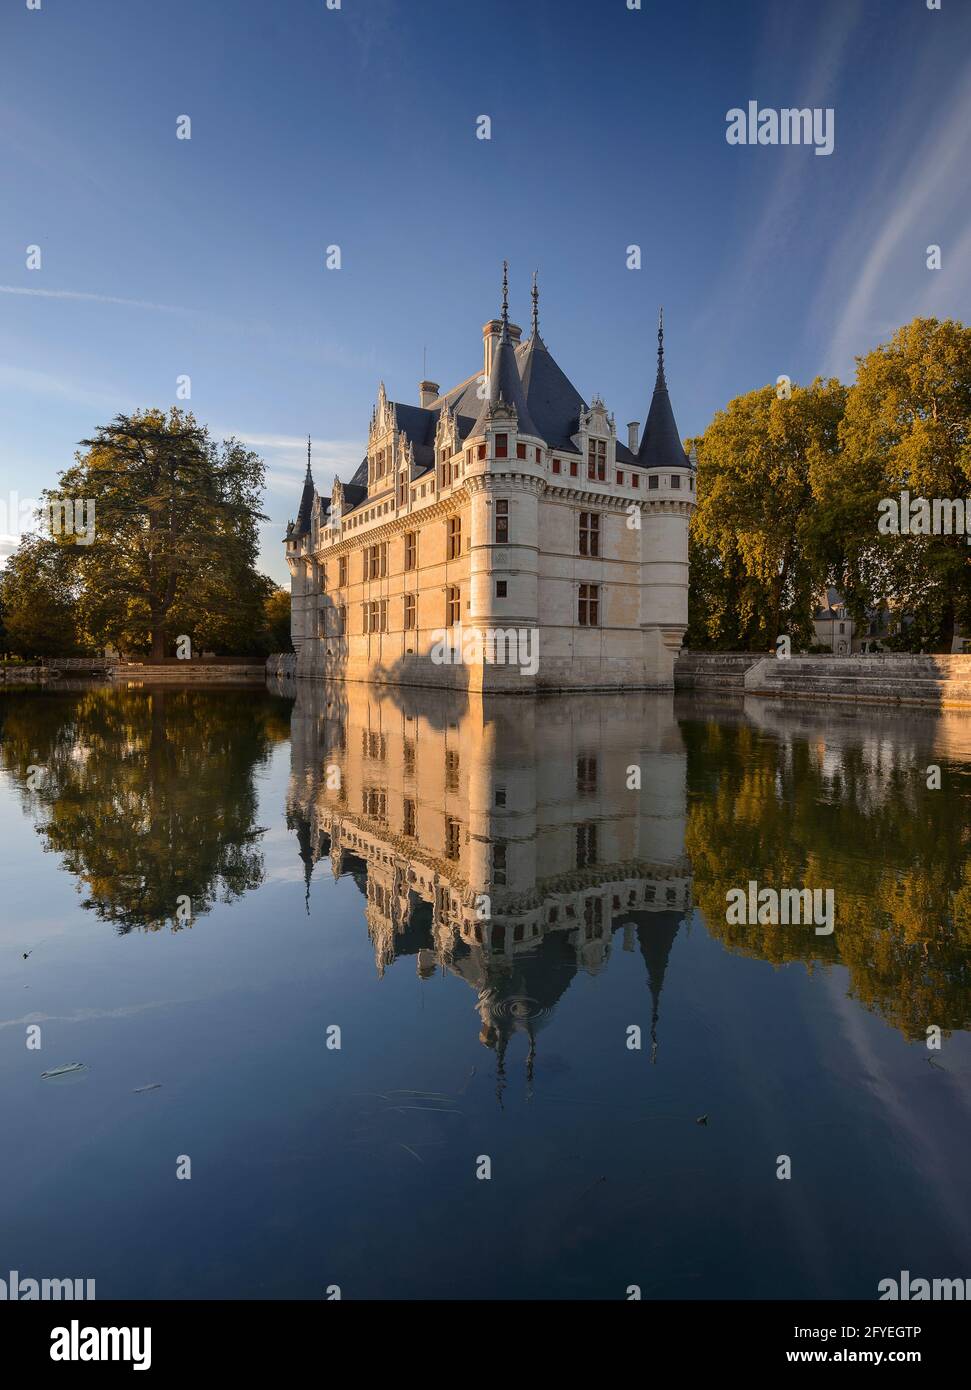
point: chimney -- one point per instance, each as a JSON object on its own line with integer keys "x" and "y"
{"x": 632, "y": 429}
{"x": 427, "y": 392}
{"x": 490, "y": 339}
{"x": 491, "y": 332}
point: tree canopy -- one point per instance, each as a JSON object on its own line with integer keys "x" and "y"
{"x": 789, "y": 492}
{"x": 174, "y": 549}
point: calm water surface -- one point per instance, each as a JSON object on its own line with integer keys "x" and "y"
{"x": 485, "y": 900}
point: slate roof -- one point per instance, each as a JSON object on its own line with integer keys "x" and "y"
{"x": 302, "y": 527}
{"x": 527, "y": 377}
{"x": 661, "y": 445}
{"x": 553, "y": 401}
{"x": 506, "y": 388}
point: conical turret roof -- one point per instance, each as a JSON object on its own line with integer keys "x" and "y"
{"x": 505, "y": 383}
{"x": 306, "y": 499}
{"x": 661, "y": 445}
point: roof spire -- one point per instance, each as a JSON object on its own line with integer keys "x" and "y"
{"x": 660, "y": 346}
{"x": 535, "y": 297}
{"x": 307, "y": 479}
{"x": 505, "y": 301}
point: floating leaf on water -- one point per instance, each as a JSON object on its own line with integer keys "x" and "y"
{"x": 152, "y": 1086}
{"x": 63, "y": 1071}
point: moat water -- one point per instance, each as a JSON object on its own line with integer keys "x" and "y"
{"x": 431, "y": 997}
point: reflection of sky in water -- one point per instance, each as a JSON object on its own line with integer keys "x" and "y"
{"x": 312, "y": 1167}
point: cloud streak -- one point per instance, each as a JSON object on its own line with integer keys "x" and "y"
{"x": 94, "y": 299}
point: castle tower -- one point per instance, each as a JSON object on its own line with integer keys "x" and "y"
{"x": 302, "y": 600}
{"x": 664, "y": 529}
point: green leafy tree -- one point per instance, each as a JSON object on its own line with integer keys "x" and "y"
{"x": 147, "y": 796}
{"x": 907, "y": 426}
{"x": 276, "y": 618}
{"x": 756, "y": 534}
{"x": 176, "y": 534}
{"x": 38, "y": 600}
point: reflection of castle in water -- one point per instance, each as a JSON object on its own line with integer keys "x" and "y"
{"x": 502, "y": 839}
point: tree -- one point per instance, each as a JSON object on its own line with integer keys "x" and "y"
{"x": 176, "y": 533}
{"x": 756, "y": 534}
{"x": 147, "y": 796}
{"x": 907, "y": 427}
{"x": 38, "y": 600}
{"x": 276, "y": 618}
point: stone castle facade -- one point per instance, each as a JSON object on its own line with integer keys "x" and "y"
{"x": 498, "y": 839}
{"x": 505, "y": 507}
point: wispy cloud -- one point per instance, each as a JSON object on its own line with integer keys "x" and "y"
{"x": 25, "y": 381}
{"x": 94, "y": 299}
{"x": 927, "y": 192}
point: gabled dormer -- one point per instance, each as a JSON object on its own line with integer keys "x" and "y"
{"x": 448, "y": 445}
{"x": 596, "y": 439}
{"x": 381, "y": 443}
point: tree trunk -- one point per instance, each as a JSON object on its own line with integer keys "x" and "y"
{"x": 158, "y": 639}
{"x": 945, "y": 637}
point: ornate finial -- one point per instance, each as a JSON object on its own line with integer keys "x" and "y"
{"x": 535, "y": 297}
{"x": 308, "y": 456}
{"x": 505, "y": 299}
{"x": 660, "y": 343}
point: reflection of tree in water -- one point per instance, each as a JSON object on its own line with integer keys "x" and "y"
{"x": 857, "y": 818}
{"x": 146, "y": 794}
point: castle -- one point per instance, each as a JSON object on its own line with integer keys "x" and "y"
{"x": 508, "y": 509}
{"x": 499, "y": 840}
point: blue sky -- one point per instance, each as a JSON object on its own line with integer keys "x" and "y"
{"x": 357, "y": 127}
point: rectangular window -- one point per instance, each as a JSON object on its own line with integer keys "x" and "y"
{"x": 556, "y": 465}
{"x": 586, "y": 845}
{"x": 453, "y": 838}
{"x": 520, "y": 451}
{"x": 502, "y": 445}
{"x": 342, "y": 572}
{"x": 588, "y": 607}
{"x": 481, "y": 451}
{"x": 652, "y": 480}
{"x": 453, "y": 605}
{"x": 502, "y": 588}
{"x": 500, "y": 796}
{"x": 374, "y": 745}
{"x": 451, "y": 770}
{"x": 573, "y": 468}
{"x": 589, "y": 533}
{"x": 597, "y": 460}
{"x": 539, "y": 456}
{"x": 410, "y": 818}
{"x": 411, "y": 550}
{"x": 375, "y": 803}
{"x": 635, "y": 480}
{"x": 411, "y": 616}
{"x": 409, "y": 757}
{"x": 586, "y": 775}
{"x": 675, "y": 480}
{"x": 502, "y": 521}
{"x": 499, "y": 865}
{"x": 620, "y": 478}
{"x": 454, "y": 537}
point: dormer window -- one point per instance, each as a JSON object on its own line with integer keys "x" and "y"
{"x": 597, "y": 460}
